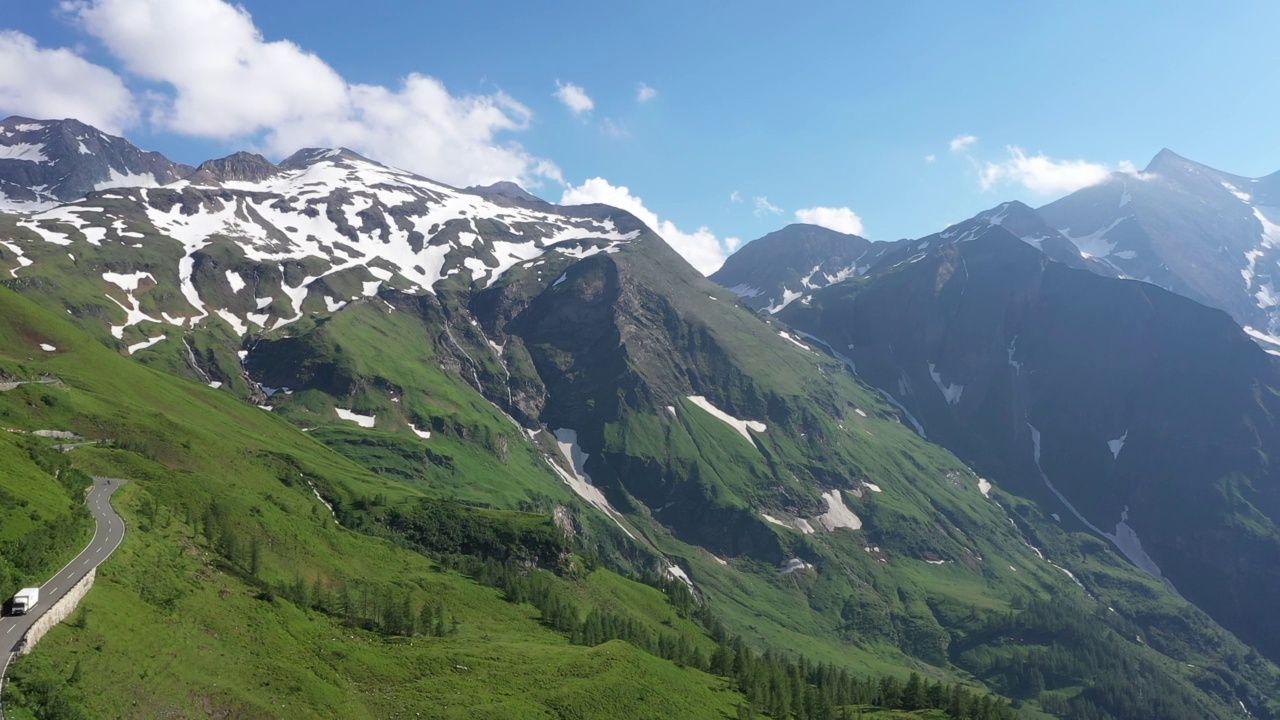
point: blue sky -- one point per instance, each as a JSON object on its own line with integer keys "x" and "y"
{"x": 757, "y": 110}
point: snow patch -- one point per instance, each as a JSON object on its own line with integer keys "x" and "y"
{"x": 237, "y": 282}
{"x": 145, "y": 344}
{"x": 364, "y": 421}
{"x": 676, "y": 572}
{"x": 798, "y": 524}
{"x": 984, "y": 487}
{"x": 741, "y": 426}
{"x": 1269, "y": 343}
{"x": 1240, "y": 194}
{"x": 951, "y": 392}
{"x": 424, "y": 434}
{"x": 1095, "y": 244}
{"x": 745, "y": 291}
{"x": 788, "y": 297}
{"x": 236, "y": 323}
{"x": 578, "y": 479}
{"x": 127, "y": 282}
{"x": 120, "y": 180}
{"x": 30, "y": 152}
{"x": 47, "y": 347}
{"x": 1117, "y": 444}
{"x": 793, "y": 565}
{"x": 792, "y": 340}
{"x": 837, "y": 514}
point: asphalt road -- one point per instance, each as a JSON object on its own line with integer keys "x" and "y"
{"x": 107, "y": 536}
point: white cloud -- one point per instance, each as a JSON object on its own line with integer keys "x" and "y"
{"x": 574, "y": 97}
{"x": 701, "y": 247}
{"x": 1041, "y": 173}
{"x": 840, "y": 219}
{"x": 735, "y": 197}
{"x": 931, "y": 158}
{"x": 644, "y": 93}
{"x": 614, "y": 129}
{"x": 53, "y": 84}
{"x": 1128, "y": 168}
{"x": 763, "y": 206}
{"x": 219, "y": 78}
{"x": 962, "y": 142}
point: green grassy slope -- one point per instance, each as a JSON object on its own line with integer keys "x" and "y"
{"x": 187, "y": 621}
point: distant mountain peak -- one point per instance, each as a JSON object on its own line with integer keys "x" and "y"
{"x": 1167, "y": 161}
{"x": 800, "y": 231}
{"x": 240, "y": 166}
{"x": 788, "y": 264}
{"x": 310, "y": 156}
{"x": 507, "y": 189}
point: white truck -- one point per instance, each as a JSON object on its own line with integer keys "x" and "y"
{"x": 25, "y": 599}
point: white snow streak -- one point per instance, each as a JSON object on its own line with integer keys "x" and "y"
{"x": 364, "y": 421}
{"x": 741, "y": 426}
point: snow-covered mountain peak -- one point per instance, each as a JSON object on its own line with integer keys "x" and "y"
{"x": 1203, "y": 233}
{"x": 788, "y": 264}
{"x": 260, "y": 244}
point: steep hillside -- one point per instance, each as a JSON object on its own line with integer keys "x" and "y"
{"x": 1132, "y": 413}
{"x": 237, "y": 593}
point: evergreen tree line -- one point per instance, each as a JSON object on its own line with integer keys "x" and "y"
{"x": 376, "y": 608}
{"x": 1057, "y": 644}
{"x": 773, "y": 684}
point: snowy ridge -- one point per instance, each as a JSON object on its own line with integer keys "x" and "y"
{"x": 338, "y": 212}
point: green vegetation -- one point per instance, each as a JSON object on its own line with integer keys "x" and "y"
{"x": 43, "y": 521}
{"x": 236, "y": 591}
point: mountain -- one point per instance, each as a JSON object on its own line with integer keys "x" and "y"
{"x": 530, "y": 394}
{"x": 775, "y": 270}
{"x": 1136, "y": 415}
{"x": 787, "y": 265}
{"x": 50, "y": 161}
{"x": 1030, "y": 227}
{"x": 1199, "y": 232}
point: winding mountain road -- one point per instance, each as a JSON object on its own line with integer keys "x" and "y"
{"x": 107, "y": 536}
